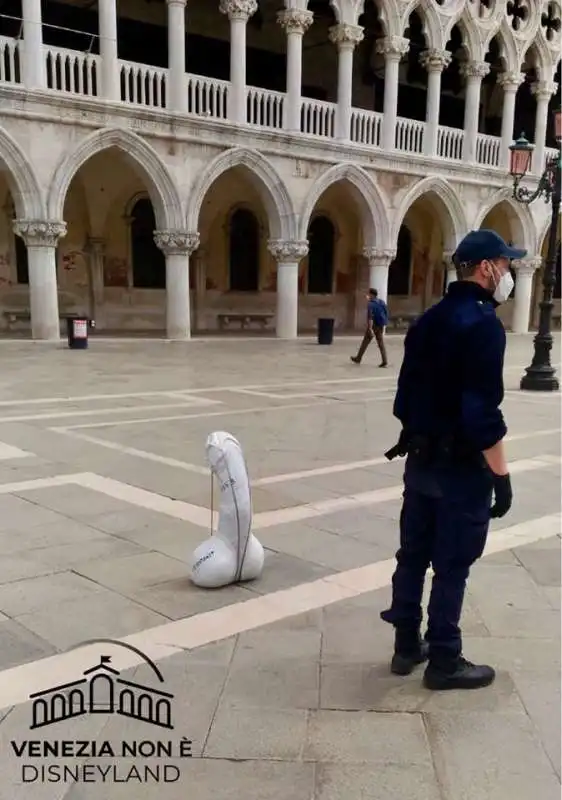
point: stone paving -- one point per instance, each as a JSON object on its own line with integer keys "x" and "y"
{"x": 104, "y": 494}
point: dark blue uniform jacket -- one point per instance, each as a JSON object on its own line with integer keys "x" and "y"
{"x": 451, "y": 381}
{"x": 378, "y": 312}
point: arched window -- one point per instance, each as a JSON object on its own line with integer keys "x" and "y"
{"x": 399, "y": 272}
{"x": 244, "y": 251}
{"x": 149, "y": 262}
{"x": 321, "y": 250}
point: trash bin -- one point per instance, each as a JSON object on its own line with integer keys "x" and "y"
{"x": 77, "y": 332}
{"x": 325, "y": 331}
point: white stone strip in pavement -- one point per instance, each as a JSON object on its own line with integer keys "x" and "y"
{"x": 187, "y": 402}
{"x": 201, "y": 516}
{"x": 268, "y": 480}
{"x": 370, "y": 390}
{"x": 223, "y": 413}
{"x": 7, "y": 451}
{"x": 162, "y": 641}
{"x": 87, "y": 398}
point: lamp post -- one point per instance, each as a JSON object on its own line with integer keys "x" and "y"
{"x": 540, "y": 376}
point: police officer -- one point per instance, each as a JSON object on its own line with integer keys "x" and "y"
{"x": 449, "y": 391}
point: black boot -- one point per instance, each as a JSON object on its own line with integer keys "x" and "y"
{"x": 457, "y": 674}
{"x": 409, "y": 651}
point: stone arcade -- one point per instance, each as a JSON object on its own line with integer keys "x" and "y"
{"x": 155, "y": 199}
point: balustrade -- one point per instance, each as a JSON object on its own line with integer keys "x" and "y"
{"x": 317, "y": 117}
{"x": 10, "y": 64}
{"x": 264, "y": 108}
{"x": 366, "y": 127}
{"x": 72, "y": 71}
{"x": 449, "y": 143}
{"x": 79, "y": 73}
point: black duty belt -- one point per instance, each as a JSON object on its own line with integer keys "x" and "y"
{"x": 426, "y": 448}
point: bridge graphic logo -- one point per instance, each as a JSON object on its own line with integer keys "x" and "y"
{"x": 102, "y": 690}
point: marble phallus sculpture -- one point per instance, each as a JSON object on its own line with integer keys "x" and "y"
{"x": 233, "y": 553}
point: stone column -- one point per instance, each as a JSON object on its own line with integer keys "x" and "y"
{"x": 177, "y": 85}
{"x": 41, "y": 237}
{"x": 346, "y": 37}
{"x": 510, "y": 81}
{"x": 34, "y": 73}
{"x": 435, "y": 61}
{"x": 523, "y": 293}
{"x": 177, "y": 246}
{"x": 239, "y": 12}
{"x": 296, "y": 23}
{"x": 474, "y": 72}
{"x": 96, "y": 252}
{"x": 288, "y": 256}
{"x": 393, "y": 48}
{"x": 379, "y": 262}
{"x": 543, "y": 91}
{"x": 107, "y": 23}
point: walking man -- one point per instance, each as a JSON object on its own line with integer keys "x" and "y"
{"x": 450, "y": 389}
{"x": 377, "y": 320}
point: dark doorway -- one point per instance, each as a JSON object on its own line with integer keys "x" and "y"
{"x": 149, "y": 262}
{"x": 244, "y": 257}
{"x": 321, "y": 251}
{"x": 399, "y": 272}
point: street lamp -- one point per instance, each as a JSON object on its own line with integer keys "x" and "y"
{"x": 540, "y": 375}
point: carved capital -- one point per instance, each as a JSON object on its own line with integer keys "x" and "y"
{"x": 95, "y": 245}
{"x": 435, "y": 60}
{"x": 543, "y": 90}
{"x": 510, "y": 81}
{"x": 475, "y": 69}
{"x": 288, "y": 252}
{"x": 346, "y": 35}
{"x": 293, "y": 20}
{"x": 392, "y": 47}
{"x": 377, "y": 257}
{"x": 527, "y": 266}
{"x": 176, "y": 243}
{"x": 238, "y": 9}
{"x": 40, "y": 233}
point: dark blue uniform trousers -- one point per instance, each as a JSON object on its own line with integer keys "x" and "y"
{"x": 443, "y": 523}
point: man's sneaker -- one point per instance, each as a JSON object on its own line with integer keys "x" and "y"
{"x": 355, "y": 359}
{"x": 384, "y": 364}
{"x": 462, "y": 674}
{"x": 404, "y": 664}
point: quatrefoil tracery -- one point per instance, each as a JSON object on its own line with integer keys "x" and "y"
{"x": 550, "y": 21}
{"x": 519, "y": 13}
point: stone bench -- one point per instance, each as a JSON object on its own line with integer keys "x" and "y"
{"x": 401, "y": 320}
{"x": 243, "y": 320}
{"x": 12, "y": 317}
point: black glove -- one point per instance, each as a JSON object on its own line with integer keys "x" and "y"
{"x": 503, "y": 496}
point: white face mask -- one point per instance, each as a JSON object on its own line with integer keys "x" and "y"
{"x": 504, "y": 288}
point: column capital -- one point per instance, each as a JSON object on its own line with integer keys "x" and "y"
{"x": 176, "y": 3}
{"x": 238, "y": 9}
{"x": 511, "y": 81}
{"x": 392, "y": 47}
{"x": 527, "y": 266}
{"x": 286, "y": 251}
{"x": 435, "y": 60}
{"x": 543, "y": 90}
{"x": 475, "y": 69}
{"x": 176, "y": 243}
{"x": 377, "y": 257}
{"x": 346, "y": 36}
{"x": 40, "y": 233}
{"x": 96, "y": 245}
{"x": 295, "y": 20}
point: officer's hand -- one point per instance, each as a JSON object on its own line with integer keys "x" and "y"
{"x": 503, "y": 496}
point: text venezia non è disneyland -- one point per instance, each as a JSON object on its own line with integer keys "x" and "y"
{"x": 99, "y": 773}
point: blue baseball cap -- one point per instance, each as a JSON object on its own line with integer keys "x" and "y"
{"x": 484, "y": 245}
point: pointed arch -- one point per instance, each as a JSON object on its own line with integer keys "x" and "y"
{"x": 520, "y": 218}
{"x": 376, "y": 229}
{"x": 142, "y": 157}
{"x": 508, "y": 47}
{"x": 24, "y": 187}
{"x": 448, "y": 207}
{"x": 264, "y": 177}
{"x": 431, "y": 24}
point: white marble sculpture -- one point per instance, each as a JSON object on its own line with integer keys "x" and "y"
{"x": 233, "y": 553}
